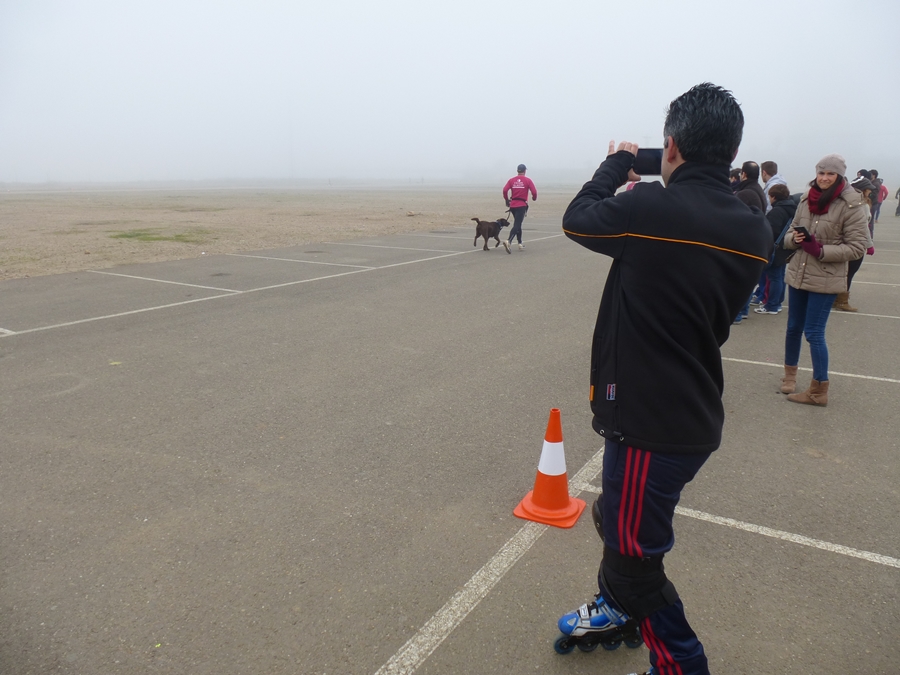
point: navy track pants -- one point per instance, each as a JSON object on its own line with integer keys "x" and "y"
{"x": 640, "y": 492}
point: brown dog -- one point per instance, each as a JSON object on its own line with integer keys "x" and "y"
{"x": 490, "y": 229}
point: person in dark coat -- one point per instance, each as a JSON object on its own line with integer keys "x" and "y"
{"x": 685, "y": 256}
{"x": 783, "y": 210}
{"x": 752, "y": 194}
{"x": 749, "y": 190}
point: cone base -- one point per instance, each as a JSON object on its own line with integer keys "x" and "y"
{"x": 565, "y": 517}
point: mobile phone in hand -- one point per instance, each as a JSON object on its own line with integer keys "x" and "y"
{"x": 802, "y": 230}
{"x": 648, "y": 162}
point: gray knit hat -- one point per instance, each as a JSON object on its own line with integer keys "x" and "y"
{"x": 861, "y": 183}
{"x": 834, "y": 163}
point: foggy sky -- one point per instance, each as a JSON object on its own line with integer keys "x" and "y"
{"x": 440, "y": 92}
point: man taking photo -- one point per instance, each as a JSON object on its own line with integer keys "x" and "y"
{"x": 685, "y": 258}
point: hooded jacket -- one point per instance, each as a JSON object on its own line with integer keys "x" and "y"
{"x": 843, "y": 233}
{"x": 685, "y": 259}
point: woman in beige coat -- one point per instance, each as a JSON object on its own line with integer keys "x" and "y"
{"x": 834, "y": 215}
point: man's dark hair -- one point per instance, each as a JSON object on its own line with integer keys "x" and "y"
{"x": 770, "y": 168}
{"x": 779, "y": 192}
{"x": 865, "y": 173}
{"x": 874, "y": 173}
{"x": 707, "y": 124}
{"x": 735, "y": 173}
{"x": 752, "y": 170}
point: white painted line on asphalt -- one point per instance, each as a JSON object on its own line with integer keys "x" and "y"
{"x": 788, "y": 536}
{"x": 3, "y": 331}
{"x": 876, "y": 316}
{"x": 874, "y": 283}
{"x": 437, "y": 236}
{"x": 228, "y": 294}
{"x": 164, "y": 281}
{"x": 830, "y": 372}
{"x": 308, "y": 262}
{"x": 113, "y": 316}
{"x": 372, "y": 269}
{"x": 306, "y": 281}
{"x": 778, "y": 534}
{"x": 884, "y": 264}
{"x": 430, "y": 636}
{"x": 393, "y": 248}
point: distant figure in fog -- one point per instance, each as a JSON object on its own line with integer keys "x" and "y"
{"x": 515, "y": 192}
{"x": 770, "y": 177}
{"x": 783, "y": 210}
{"x": 842, "y": 301}
{"x": 878, "y": 196}
{"x": 749, "y": 190}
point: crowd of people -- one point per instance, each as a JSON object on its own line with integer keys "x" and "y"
{"x": 821, "y": 237}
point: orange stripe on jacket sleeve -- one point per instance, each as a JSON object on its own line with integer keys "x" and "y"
{"x": 674, "y": 241}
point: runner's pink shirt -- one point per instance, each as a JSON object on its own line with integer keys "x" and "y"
{"x": 520, "y": 186}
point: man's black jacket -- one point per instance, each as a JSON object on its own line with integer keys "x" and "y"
{"x": 685, "y": 259}
{"x": 751, "y": 193}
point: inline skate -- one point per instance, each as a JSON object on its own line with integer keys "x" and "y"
{"x": 597, "y": 624}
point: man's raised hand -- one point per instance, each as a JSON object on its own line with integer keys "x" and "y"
{"x": 627, "y": 146}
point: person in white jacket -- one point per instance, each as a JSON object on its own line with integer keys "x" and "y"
{"x": 770, "y": 176}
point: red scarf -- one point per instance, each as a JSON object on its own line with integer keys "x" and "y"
{"x": 819, "y": 206}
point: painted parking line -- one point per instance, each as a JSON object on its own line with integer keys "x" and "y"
{"x": 830, "y": 372}
{"x": 434, "y": 631}
{"x": 227, "y": 294}
{"x": 308, "y": 262}
{"x": 877, "y": 558}
{"x": 392, "y": 248}
{"x": 430, "y": 636}
{"x": 164, "y": 281}
{"x": 873, "y": 316}
{"x": 114, "y": 316}
{"x": 874, "y": 283}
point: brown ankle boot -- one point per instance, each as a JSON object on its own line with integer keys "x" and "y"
{"x": 842, "y": 303}
{"x": 817, "y": 394}
{"x": 789, "y": 381}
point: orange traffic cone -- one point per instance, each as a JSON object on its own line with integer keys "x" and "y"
{"x": 549, "y": 502}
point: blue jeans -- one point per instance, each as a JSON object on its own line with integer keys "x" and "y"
{"x": 745, "y": 311}
{"x": 808, "y": 313}
{"x": 760, "y": 292}
{"x": 775, "y": 295}
{"x": 640, "y": 492}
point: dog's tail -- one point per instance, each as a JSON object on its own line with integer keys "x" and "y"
{"x": 475, "y": 219}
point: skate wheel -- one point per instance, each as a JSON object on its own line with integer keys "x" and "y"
{"x": 562, "y": 645}
{"x": 634, "y": 642}
{"x": 587, "y": 647}
{"x": 611, "y": 646}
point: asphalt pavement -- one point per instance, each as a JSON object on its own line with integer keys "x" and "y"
{"x": 306, "y": 461}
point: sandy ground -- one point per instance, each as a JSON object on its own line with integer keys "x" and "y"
{"x": 68, "y": 231}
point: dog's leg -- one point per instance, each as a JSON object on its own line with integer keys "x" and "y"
{"x": 486, "y": 243}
